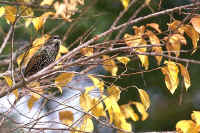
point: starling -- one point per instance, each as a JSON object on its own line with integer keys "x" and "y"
{"x": 43, "y": 57}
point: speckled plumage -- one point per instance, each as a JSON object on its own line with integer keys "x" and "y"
{"x": 43, "y": 57}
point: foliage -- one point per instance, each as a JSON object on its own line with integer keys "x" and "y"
{"x": 145, "y": 40}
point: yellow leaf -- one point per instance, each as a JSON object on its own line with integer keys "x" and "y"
{"x": 87, "y": 124}
{"x": 180, "y": 38}
{"x": 185, "y": 75}
{"x": 155, "y": 40}
{"x": 109, "y": 65}
{"x": 139, "y": 31}
{"x": 132, "y": 40}
{"x": 97, "y": 83}
{"x": 62, "y": 80}
{"x": 175, "y": 42}
{"x": 173, "y": 71}
{"x": 114, "y": 92}
{"x": 167, "y": 80}
{"x": 171, "y": 75}
{"x": 46, "y": 2}
{"x": 136, "y": 40}
{"x": 9, "y": 82}
{"x": 144, "y": 60}
{"x": 140, "y": 107}
{"x": 98, "y": 109}
{"x": 118, "y": 118}
{"x": 2, "y": 11}
{"x": 88, "y": 89}
{"x": 86, "y": 102}
{"x": 36, "y": 45}
{"x": 10, "y": 13}
{"x": 174, "y": 25}
{"x": 121, "y": 123}
{"x": 193, "y": 34}
{"x": 32, "y": 100}
{"x": 40, "y": 41}
{"x": 28, "y": 22}
{"x": 196, "y": 117}
{"x": 126, "y": 126}
{"x": 186, "y": 126}
{"x": 62, "y": 50}
{"x": 38, "y": 22}
{"x": 124, "y": 60}
{"x": 107, "y": 102}
{"x": 144, "y": 98}
{"x": 129, "y": 112}
{"x": 61, "y": 9}
{"x": 66, "y": 117}
{"x": 155, "y": 27}
{"x": 27, "y": 12}
{"x": 196, "y": 23}
{"x": 19, "y": 59}
{"x": 147, "y": 2}
{"x": 87, "y": 51}
{"x": 108, "y": 105}
{"x": 36, "y": 87}
{"x": 112, "y": 107}
{"x": 16, "y": 93}
{"x": 115, "y": 107}
{"x": 35, "y": 96}
{"x": 125, "y": 3}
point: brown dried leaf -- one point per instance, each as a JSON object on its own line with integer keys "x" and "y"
{"x": 66, "y": 117}
{"x": 193, "y": 34}
{"x": 87, "y": 51}
{"x": 155, "y": 26}
{"x": 196, "y": 23}
{"x": 62, "y": 80}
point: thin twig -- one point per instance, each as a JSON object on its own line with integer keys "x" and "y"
{"x": 131, "y": 18}
{"x": 120, "y": 16}
{"x": 6, "y": 39}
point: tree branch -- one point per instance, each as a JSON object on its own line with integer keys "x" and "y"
{"x": 49, "y": 69}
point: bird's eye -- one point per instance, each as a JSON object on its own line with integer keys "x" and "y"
{"x": 56, "y": 37}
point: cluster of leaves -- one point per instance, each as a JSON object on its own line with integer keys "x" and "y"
{"x": 62, "y": 9}
{"x": 189, "y": 126}
{"x": 172, "y": 43}
{"x": 117, "y": 113}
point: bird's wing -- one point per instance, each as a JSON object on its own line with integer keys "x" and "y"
{"x": 35, "y": 64}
